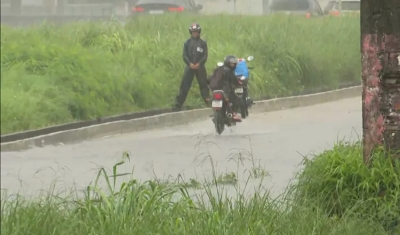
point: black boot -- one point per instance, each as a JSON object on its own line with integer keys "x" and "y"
{"x": 176, "y": 108}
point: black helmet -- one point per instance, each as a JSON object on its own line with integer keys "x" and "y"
{"x": 194, "y": 27}
{"x": 231, "y": 59}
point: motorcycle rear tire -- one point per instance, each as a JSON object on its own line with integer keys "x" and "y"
{"x": 219, "y": 122}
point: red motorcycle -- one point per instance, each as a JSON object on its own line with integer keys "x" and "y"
{"x": 222, "y": 111}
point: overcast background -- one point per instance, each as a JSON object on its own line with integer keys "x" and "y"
{"x": 80, "y": 7}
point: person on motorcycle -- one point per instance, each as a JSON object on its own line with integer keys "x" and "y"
{"x": 243, "y": 70}
{"x": 195, "y": 53}
{"x": 223, "y": 78}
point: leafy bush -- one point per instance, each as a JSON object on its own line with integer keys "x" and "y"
{"x": 339, "y": 183}
{"x": 53, "y": 74}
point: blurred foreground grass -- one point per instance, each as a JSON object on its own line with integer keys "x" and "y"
{"x": 335, "y": 195}
{"x": 53, "y": 74}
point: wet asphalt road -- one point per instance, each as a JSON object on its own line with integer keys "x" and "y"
{"x": 277, "y": 141}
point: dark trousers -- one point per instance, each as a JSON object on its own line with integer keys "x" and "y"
{"x": 187, "y": 79}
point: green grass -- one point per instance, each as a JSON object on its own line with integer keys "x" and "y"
{"x": 339, "y": 183}
{"x": 159, "y": 208}
{"x": 57, "y": 74}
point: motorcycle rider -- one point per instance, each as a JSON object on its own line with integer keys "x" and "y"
{"x": 243, "y": 70}
{"x": 195, "y": 53}
{"x": 223, "y": 78}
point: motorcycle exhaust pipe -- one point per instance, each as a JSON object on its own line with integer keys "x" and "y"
{"x": 229, "y": 115}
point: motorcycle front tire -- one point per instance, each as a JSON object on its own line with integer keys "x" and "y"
{"x": 244, "y": 112}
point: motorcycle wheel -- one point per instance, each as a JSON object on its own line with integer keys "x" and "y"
{"x": 219, "y": 122}
{"x": 245, "y": 100}
{"x": 244, "y": 112}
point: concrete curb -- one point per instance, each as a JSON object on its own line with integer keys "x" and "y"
{"x": 171, "y": 119}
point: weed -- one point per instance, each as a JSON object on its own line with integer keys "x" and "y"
{"x": 336, "y": 194}
{"x": 227, "y": 178}
{"x": 242, "y": 155}
{"x": 258, "y": 171}
{"x": 340, "y": 184}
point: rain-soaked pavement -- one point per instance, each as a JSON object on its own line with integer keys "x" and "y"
{"x": 277, "y": 141}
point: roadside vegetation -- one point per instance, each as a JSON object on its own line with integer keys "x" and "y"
{"x": 79, "y": 71}
{"x": 335, "y": 194}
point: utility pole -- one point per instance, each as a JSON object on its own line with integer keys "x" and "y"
{"x": 380, "y": 49}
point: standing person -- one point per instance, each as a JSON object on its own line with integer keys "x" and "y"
{"x": 195, "y": 53}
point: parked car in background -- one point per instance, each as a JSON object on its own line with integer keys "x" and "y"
{"x": 348, "y": 6}
{"x": 165, "y": 6}
{"x": 297, "y": 7}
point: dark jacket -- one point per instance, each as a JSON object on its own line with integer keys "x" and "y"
{"x": 222, "y": 79}
{"x": 195, "y": 51}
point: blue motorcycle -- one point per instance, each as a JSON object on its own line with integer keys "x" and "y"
{"x": 241, "y": 89}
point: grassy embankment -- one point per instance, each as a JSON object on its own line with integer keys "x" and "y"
{"x": 58, "y": 74}
{"x": 336, "y": 195}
